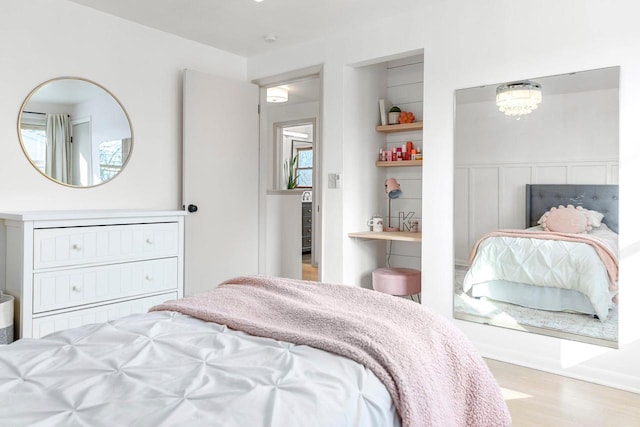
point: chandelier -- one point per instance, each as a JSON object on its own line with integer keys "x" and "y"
{"x": 518, "y": 98}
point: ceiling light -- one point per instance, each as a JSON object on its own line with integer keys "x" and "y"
{"x": 270, "y": 38}
{"x": 295, "y": 134}
{"x": 259, "y": 1}
{"x": 277, "y": 94}
{"x": 518, "y": 98}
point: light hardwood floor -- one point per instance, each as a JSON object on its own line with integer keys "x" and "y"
{"x": 309, "y": 272}
{"x": 540, "y": 399}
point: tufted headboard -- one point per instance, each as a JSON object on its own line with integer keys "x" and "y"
{"x": 601, "y": 198}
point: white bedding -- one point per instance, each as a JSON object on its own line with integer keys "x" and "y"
{"x": 168, "y": 369}
{"x": 548, "y": 263}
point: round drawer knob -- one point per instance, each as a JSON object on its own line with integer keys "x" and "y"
{"x": 76, "y": 246}
{"x": 150, "y": 240}
{"x": 75, "y": 288}
{"x": 148, "y": 277}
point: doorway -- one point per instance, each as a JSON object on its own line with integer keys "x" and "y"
{"x": 290, "y": 144}
{"x": 82, "y": 153}
{"x": 296, "y": 143}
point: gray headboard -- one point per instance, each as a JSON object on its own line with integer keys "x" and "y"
{"x": 601, "y": 198}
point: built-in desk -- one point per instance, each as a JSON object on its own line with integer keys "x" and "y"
{"x": 403, "y": 236}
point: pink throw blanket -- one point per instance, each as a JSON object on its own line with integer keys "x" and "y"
{"x": 607, "y": 256}
{"x": 433, "y": 373}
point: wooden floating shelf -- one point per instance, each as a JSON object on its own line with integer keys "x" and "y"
{"x": 400, "y": 163}
{"x": 404, "y": 236}
{"x": 404, "y": 127}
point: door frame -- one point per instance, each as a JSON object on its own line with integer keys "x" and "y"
{"x": 266, "y": 183}
{"x": 94, "y": 162}
{"x": 277, "y": 160}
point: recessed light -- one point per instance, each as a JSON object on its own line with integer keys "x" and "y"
{"x": 259, "y": 1}
{"x": 270, "y": 38}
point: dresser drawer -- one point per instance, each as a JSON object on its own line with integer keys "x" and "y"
{"x": 62, "y": 247}
{"x": 48, "y": 324}
{"x": 306, "y": 243}
{"x": 70, "y": 288}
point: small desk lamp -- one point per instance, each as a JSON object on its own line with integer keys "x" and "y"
{"x": 392, "y": 188}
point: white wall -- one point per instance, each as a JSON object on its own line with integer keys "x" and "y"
{"x": 362, "y": 189}
{"x": 43, "y": 39}
{"x": 569, "y": 127}
{"x": 469, "y": 44}
{"x": 283, "y": 252}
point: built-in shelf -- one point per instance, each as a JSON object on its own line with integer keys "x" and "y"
{"x": 400, "y": 163}
{"x": 403, "y": 127}
{"x": 404, "y": 236}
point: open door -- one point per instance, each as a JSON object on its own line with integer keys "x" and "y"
{"x": 220, "y": 179}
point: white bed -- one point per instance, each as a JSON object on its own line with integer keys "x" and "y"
{"x": 550, "y": 274}
{"x": 392, "y": 363}
{"x": 167, "y": 369}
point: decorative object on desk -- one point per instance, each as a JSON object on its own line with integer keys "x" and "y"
{"x": 384, "y": 107}
{"x": 290, "y": 172}
{"x": 413, "y": 226}
{"x": 376, "y": 224}
{"x": 404, "y": 220}
{"x": 392, "y": 188}
{"x": 406, "y": 117}
{"x": 394, "y": 115}
{"x": 518, "y": 98}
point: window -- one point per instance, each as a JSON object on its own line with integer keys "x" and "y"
{"x": 304, "y": 167}
{"x": 34, "y": 137}
{"x": 110, "y": 159}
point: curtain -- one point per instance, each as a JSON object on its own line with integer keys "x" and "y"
{"x": 126, "y": 149}
{"x": 59, "y": 159}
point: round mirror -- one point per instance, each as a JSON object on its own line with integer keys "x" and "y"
{"x": 75, "y": 132}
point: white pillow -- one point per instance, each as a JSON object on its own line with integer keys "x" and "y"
{"x": 596, "y": 218}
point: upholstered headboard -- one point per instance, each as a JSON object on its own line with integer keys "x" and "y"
{"x": 601, "y": 198}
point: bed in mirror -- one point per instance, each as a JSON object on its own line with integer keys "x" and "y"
{"x": 75, "y": 132}
{"x": 536, "y": 205}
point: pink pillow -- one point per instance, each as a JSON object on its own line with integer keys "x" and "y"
{"x": 567, "y": 220}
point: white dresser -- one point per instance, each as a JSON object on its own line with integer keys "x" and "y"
{"x": 71, "y": 268}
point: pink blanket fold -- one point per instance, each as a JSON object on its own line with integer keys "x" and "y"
{"x": 433, "y": 373}
{"x": 607, "y": 256}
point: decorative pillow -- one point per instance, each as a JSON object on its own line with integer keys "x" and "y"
{"x": 596, "y": 218}
{"x": 566, "y": 220}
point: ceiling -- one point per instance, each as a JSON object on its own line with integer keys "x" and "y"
{"x": 239, "y": 26}
{"x": 598, "y": 79}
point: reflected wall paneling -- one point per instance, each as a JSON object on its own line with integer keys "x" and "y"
{"x": 501, "y": 202}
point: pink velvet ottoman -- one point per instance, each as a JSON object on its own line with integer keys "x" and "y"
{"x": 397, "y": 281}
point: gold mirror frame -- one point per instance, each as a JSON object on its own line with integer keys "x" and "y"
{"x": 24, "y": 110}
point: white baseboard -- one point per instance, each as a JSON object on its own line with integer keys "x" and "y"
{"x": 531, "y": 360}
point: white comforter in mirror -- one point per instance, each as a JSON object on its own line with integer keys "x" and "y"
{"x": 549, "y": 263}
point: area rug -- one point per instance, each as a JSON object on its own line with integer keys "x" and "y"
{"x": 505, "y": 314}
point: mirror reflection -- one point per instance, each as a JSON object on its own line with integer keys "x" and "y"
{"x": 536, "y": 205}
{"x": 75, "y": 132}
